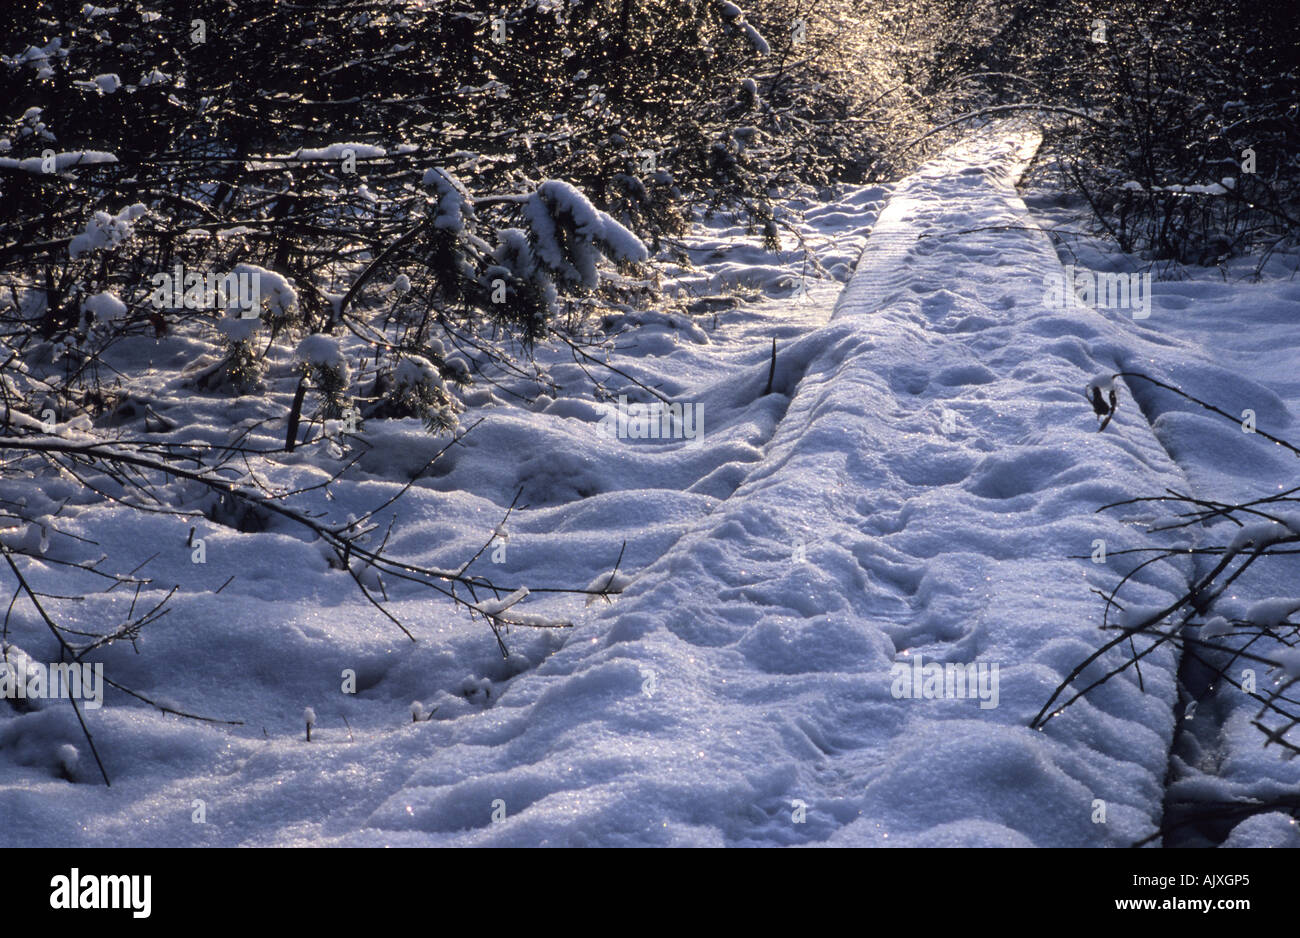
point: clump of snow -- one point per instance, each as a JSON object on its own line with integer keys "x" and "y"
{"x": 36, "y": 57}
{"x": 415, "y": 371}
{"x": 514, "y": 253}
{"x": 323, "y": 351}
{"x": 1213, "y": 188}
{"x": 515, "y": 259}
{"x": 21, "y": 421}
{"x": 455, "y": 205}
{"x": 1216, "y": 627}
{"x": 1134, "y": 616}
{"x": 1271, "y": 613}
{"x": 1259, "y": 535}
{"x": 1103, "y": 382}
{"x": 276, "y": 292}
{"x": 336, "y": 303}
{"x": 736, "y": 16}
{"x": 66, "y": 160}
{"x": 494, "y": 607}
{"x": 102, "y": 84}
{"x": 154, "y": 77}
{"x": 237, "y": 327}
{"x": 106, "y": 307}
{"x": 68, "y": 757}
{"x": 320, "y": 349}
{"x": 756, "y": 39}
{"x": 1270, "y": 829}
{"x": 336, "y": 151}
{"x": 1289, "y": 662}
{"x": 613, "y": 582}
{"x": 458, "y": 366}
{"x": 331, "y": 153}
{"x": 33, "y": 537}
{"x": 557, "y": 204}
{"x": 105, "y": 230}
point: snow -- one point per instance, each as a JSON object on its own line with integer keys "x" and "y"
{"x": 494, "y": 607}
{"x": 1216, "y": 627}
{"x": 322, "y": 350}
{"x": 68, "y": 757}
{"x": 919, "y": 488}
{"x": 277, "y": 293}
{"x": 1102, "y": 383}
{"x": 458, "y": 366}
{"x": 1135, "y": 616}
{"x": 1230, "y": 342}
{"x": 101, "y": 84}
{"x": 69, "y": 159}
{"x": 335, "y": 151}
{"x": 154, "y": 77}
{"x": 515, "y": 258}
{"x": 1271, "y": 613}
{"x": 734, "y": 13}
{"x": 32, "y": 538}
{"x": 615, "y": 581}
{"x": 414, "y": 371}
{"x": 1258, "y": 536}
{"x": 650, "y": 499}
{"x": 756, "y": 39}
{"x": 106, "y": 306}
{"x": 1289, "y": 660}
{"x": 1213, "y": 188}
{"x": 237, "y": 327}
{"x": 557, "y": 204}
{"x": 455, "y": 205}
{"x": 105, "y": 231}
{"x": 34, "y": 56}
{"x": 1271, "y": 829}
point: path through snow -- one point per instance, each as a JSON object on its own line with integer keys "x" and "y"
{"x": 915, "y": 487}
{"x": 931, "y": 475}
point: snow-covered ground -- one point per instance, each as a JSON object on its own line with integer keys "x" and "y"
{"x": 920, "y": 486}
{"x": 1233, "y": 342}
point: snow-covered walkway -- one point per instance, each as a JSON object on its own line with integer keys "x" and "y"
{"x": 936, "y": 467}
{"x": 919, "y": 489}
